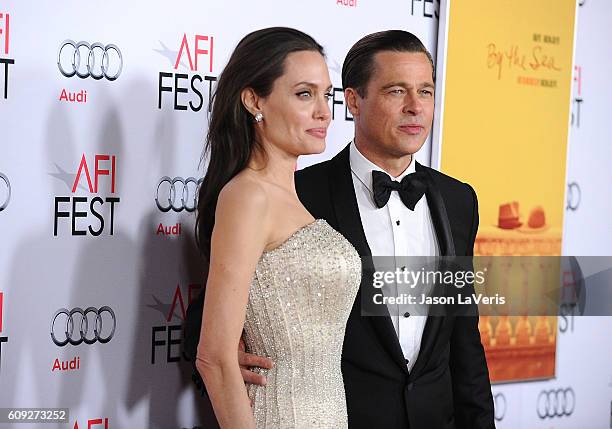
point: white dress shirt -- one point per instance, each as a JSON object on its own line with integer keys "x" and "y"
{"x": 394, "y": 230}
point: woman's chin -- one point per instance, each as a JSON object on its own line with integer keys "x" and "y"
{"x": 314, "y": 148}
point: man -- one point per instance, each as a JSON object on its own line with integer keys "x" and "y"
{"x": 399, "y": 371}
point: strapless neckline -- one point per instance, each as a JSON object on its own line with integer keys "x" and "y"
{"x": 295, "y": 234}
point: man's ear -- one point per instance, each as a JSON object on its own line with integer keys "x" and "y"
{"x": 352, "y": 100}
{"x": 251, "y": 101}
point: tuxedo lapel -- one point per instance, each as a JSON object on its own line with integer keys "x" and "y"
{"x": 437, "y": 208}
{"x": 441, "y": 224}
{"x": 344, "y": 202}
{"x": 349, "y": 224}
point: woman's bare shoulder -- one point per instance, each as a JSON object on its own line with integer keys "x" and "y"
{"x": 244, "y": 195}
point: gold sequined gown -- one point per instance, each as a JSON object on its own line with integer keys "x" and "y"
{"x": 299, "y": 302}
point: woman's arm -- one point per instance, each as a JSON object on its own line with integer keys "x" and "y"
{"x": 239, "y": 237}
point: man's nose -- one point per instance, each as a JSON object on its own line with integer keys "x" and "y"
{"x": 412, "y": 104}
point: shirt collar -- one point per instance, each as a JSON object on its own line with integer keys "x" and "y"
{"x": 362, "y": 167}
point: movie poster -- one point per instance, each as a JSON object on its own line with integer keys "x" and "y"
{"x": 504, "y": 85}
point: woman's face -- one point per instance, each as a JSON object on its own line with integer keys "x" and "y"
{"x": 296, "y": 113}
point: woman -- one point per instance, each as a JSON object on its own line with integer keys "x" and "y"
{"x": 289, "y": 281}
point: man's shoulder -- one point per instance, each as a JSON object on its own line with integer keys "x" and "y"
{"x": 312, "y": 186}
{"x": 312, "y": 181}
{"x": 313, "y": 171}
{"x": 448, "y": 184}
{"x": 321, "y": 170}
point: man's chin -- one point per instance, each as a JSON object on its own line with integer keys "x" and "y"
{"x": 409, "y": 147}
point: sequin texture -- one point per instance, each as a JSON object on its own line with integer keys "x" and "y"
{"x": 299, "y": 302}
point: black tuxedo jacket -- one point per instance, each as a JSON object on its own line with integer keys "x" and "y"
{"x": 448, "y": 386}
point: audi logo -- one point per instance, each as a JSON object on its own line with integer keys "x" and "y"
{"x": 5, "y": 196}
{"x": 556, "y": 403}
{"x": 75, "y": 327}
{"x": 499, "y": 404}
{"x": 574, "y": 195}
{"x": 177, "y": 194}
{"x": 84, "y": 60}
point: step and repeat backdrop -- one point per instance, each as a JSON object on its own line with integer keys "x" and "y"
{"x": 98, "y": 175}
{"x": 99, "y": 172}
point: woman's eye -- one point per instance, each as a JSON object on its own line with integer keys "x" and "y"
{"x": 329, "y": 95}
{"x": 303, "y": 94}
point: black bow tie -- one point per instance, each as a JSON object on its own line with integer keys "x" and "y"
{"x": 410, "y": 189}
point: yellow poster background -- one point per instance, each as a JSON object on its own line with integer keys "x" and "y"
{"x": 505, "y": 131}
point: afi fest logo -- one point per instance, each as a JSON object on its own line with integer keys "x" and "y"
{"x": 194, "y": 54}
{"x": 93, "y": 213}
{"x": 577, "y": 99}
{"x": 2, "y": 339}
{"x": 428, "y": 9}
{"x": 5, "y": 31}
{"x": 168, "y": 335}
{"x": 337, "y": 95}
{"x": 87, "y": 60}
{"x": 93, "y": 424}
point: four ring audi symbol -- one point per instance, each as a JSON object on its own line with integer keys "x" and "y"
{"x": 499, "y": 404}
{"x": 84, "y": 60}
{"x": 556, "y": 403}
{"x": 87, "y": 326}
{"x": 177, "y": 194}
{"x": 5, "y": 192}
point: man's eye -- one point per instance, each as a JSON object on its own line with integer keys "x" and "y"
{"x": 427, "y": 92}
{"x": 397, "y": 91}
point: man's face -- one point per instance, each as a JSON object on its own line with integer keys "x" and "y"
{"x": 395, "y": 115}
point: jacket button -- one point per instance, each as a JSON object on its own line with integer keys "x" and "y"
{"x": 410, "y": 386}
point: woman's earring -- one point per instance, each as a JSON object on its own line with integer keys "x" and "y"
{"x": 259, "y": 117}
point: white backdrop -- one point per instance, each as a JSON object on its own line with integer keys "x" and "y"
{"x": 138, "y": 378}
{"x": 148, "y": 267}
